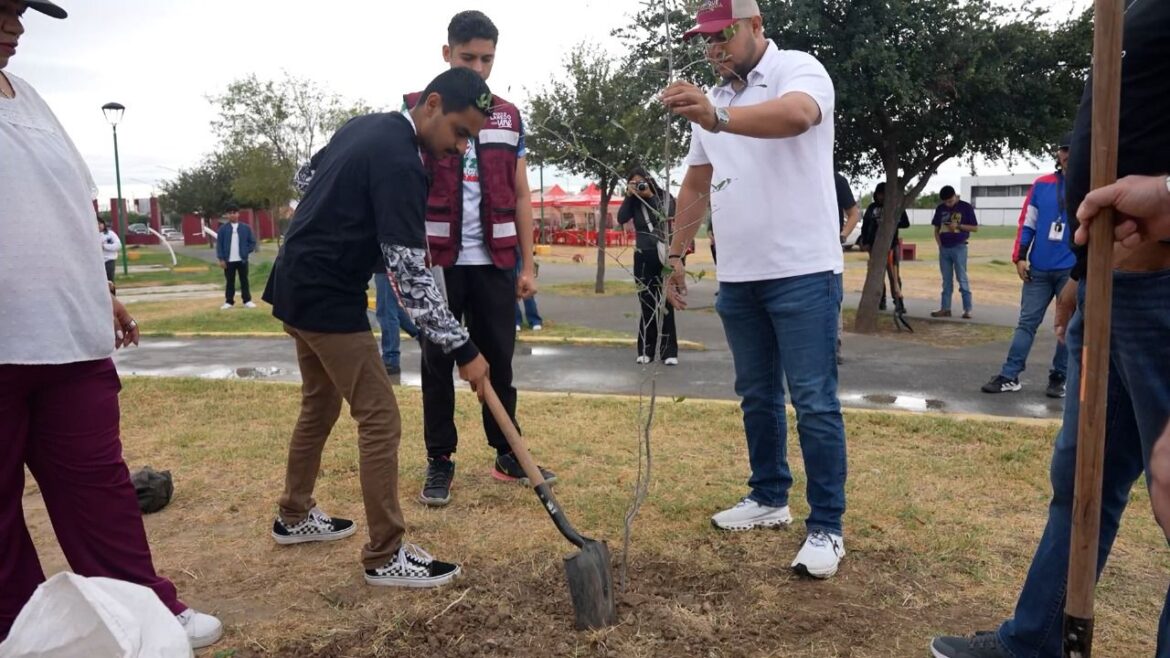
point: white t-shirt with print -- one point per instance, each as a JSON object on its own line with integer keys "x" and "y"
{"x": 234, "y": 250}
{"x": 773, "y": 202}
{"x": 473, "y": 250}
{"x": 60, "y": 311}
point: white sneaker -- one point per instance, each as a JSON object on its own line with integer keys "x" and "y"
{"x": 202, "y": 630}
{"x": 225, "y": 306}
{"x": 412, "y": 567}
{"x": 748, "y": 514}
{"x": 538, "y": 327}
{"x": 672, "y": 361}
{"x": 642, "y": 360}
{"x": 249, "y": 305}
{"x": 517, "y": 328}
{"x": 820, "y": 555}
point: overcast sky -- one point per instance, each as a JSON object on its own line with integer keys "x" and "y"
{"x": 161, "y": 58}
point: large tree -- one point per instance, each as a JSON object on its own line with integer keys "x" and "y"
{"x": 597, "y": 120}
{"x": 918, "y": 82}
{"x": 205, "y": 189}
{"x": 268, "y": 128}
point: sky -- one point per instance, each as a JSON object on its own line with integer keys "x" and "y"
{"x": 163, "y": 58}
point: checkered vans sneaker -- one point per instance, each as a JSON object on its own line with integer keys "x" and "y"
{"x": 412, "y": 567}
{"x": 317, "y": 526}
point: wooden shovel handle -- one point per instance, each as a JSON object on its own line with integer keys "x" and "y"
{"x": 515, "y": 441}
{"x": 1097, "y": 309}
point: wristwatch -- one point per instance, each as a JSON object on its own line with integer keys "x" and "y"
{"x": 722, "y": 118}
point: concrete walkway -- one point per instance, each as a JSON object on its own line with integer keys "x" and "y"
{"x": 878, "y": 373}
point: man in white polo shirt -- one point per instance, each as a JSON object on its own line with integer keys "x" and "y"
{"x": 762, "y": 158}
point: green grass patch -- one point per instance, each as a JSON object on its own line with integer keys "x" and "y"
{"x": 588, "y": 289}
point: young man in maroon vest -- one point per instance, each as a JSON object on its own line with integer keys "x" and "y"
{"x": 479, "y": 221}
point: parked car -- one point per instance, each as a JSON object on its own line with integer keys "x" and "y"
{"x": 138, "y": 229}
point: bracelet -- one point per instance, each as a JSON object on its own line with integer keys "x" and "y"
{"x": 674, "y": 256}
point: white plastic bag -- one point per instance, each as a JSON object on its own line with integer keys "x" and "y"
{"x": 70, "y": 615}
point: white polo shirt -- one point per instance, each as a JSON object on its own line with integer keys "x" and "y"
{"x": 773, "y": 201}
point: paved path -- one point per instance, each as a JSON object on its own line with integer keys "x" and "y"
{"x": 878, "y": 372}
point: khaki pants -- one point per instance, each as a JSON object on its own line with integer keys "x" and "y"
{"x": 333, "y": 367}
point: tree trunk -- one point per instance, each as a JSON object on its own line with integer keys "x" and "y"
{"x": 875, "y": 275}
{"x": 602, "y": 225}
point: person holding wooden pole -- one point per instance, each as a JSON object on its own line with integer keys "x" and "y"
{"x": 1138, "y": 381}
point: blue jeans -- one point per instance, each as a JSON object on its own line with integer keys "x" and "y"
{"x": 1035, "y": 297}
{"x": 391, "y": 318}
{"x": 529, "y": 310}
{"x": 1137, "y": 411}
{"x": 952, "y": 262}
{"x": 785, "y": 330}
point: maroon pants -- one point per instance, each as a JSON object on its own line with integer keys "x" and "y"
{"x": 62, "y": 422}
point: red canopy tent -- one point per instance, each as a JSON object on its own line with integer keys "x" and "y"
{"x": 550, "y": 197}
{"x": 588, "y": 197}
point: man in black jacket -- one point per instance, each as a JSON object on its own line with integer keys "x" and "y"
{"x": 365, "y": 205}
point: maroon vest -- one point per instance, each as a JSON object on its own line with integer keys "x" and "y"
{"x": 496, "y": 151}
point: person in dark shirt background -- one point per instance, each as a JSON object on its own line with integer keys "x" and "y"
{"x": 869, "y": 228}
{"x": 954, "y": 221}
{"x": 364, "y": 204}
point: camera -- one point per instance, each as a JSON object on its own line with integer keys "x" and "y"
{"x": 642, "y": 187}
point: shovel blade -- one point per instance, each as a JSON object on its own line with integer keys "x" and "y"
{"x": 591, "y": 586}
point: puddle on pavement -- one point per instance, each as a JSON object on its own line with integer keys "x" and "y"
{"x": 907, "y": 402}
{"x": 162, "y": 345}
{"x": 259, "y": 373}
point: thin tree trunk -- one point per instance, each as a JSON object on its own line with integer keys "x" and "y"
{"x": 602, "y": 225}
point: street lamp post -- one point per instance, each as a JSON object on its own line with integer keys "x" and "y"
{"x": 114, "y": 112}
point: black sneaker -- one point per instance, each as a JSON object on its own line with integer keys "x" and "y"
{"x": 393, "y": 369}
{"x": 882, "y": 304}
{"x": 317, "y": 526}
{"x": 980, "y": 645}
{"x": 1001, "y": 384}
{"x": 900, "y": 306}
{"x": 1055, "y": 386}
{"x": 436, "y": 491}
{"x": 507, "y": 469}
{"x": 412, "y": 567}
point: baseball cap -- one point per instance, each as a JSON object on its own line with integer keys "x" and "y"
{"x": 1065, "y": 141}
{"x": 714, "y": 16}
{"x": 47, "y": 8}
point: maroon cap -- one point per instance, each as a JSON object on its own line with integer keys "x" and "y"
{"x": 714, "y": 16}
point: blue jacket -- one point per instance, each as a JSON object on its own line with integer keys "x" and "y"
{"x": 1044, "y": 208}
{"x": 223, "y": 241}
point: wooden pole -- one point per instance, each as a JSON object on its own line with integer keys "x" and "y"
{"x": 1086, "y": 514}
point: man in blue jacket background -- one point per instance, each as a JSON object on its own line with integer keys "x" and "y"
{"x": 233, "y": 243}
{"x": 1043, "y": 260}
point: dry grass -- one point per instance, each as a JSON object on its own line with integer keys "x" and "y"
{"x": 943, "y": 518}
{"x": 946, "y": 334}
{"x": 993, "y": 278}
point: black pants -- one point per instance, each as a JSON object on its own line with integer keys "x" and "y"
{"x": 484, "y": 297}
{"x": 230, "y": 274}
{"x": 648, "y": 273}
{"x": 110, "y": 266}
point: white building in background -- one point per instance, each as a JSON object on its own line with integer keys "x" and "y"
{"x": 997, "y": 199}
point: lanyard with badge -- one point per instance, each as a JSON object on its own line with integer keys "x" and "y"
{"x": 1056, "y": 229}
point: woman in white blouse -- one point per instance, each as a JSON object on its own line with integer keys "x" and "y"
{"x": 59, "y": 327}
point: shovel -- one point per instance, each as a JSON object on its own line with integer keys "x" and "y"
{"x": 590, "y": 580}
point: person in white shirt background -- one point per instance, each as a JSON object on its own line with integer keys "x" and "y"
{"x": 767, "y": 131}
{"x": 111, "y": 245}
{"x": 59, "y": 414}
{"x": 233, "y": 243}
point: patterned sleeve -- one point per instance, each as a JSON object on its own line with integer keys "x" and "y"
{"x": 420, "y": 297}
{"x": 302, "y": 178}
